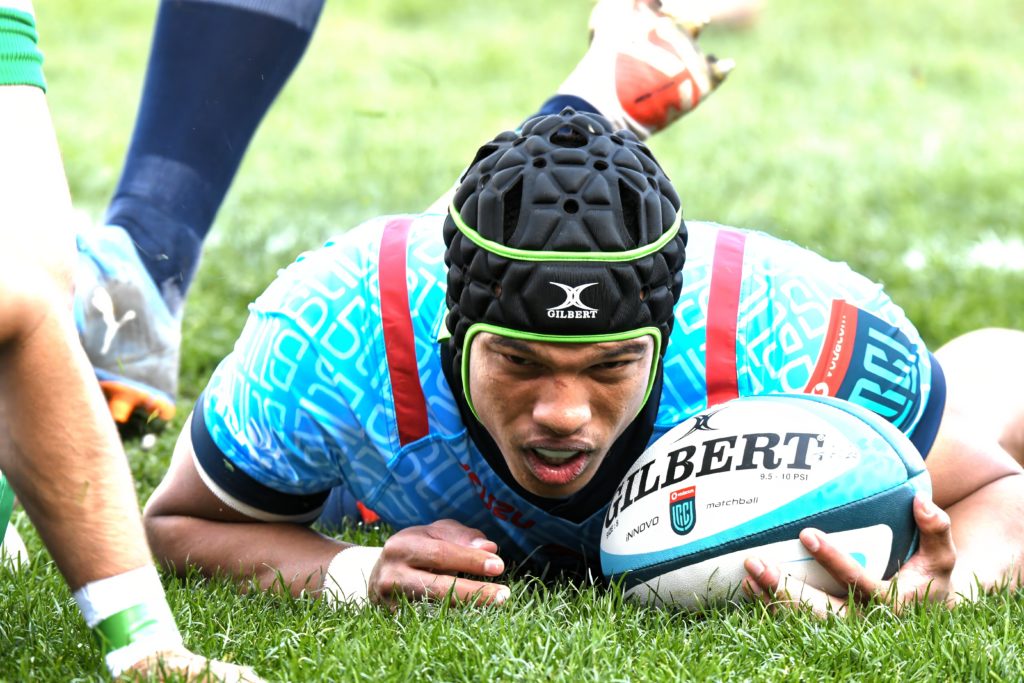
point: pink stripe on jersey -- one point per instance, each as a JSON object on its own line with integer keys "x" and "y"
{"x": 399, "y": 339}
{"x": 723, "y": 309}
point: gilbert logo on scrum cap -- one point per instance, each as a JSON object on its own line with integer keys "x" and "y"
{"x": 572, "y": 307}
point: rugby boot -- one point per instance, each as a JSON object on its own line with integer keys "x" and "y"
{"x": 643, "y": 69}
{"x": 131, "y": 336}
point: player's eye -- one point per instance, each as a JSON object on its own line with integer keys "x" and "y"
{"x": 518, "y": 361}
{"x": 613, "y": 364}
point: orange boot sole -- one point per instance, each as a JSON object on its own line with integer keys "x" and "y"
{"x": 125, "y": 401}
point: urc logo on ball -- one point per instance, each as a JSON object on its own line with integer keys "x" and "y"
{"x": 682, "y": 506}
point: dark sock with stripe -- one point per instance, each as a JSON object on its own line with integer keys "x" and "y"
{"x": 556, "y": 103}
{"x": 215, "y": 67}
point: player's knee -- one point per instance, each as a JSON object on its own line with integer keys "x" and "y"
{"x": 28, "y": 294}
{"x": 31, "y": 264}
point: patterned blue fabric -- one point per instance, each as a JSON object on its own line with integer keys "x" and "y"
{"x": 304, "y": 402}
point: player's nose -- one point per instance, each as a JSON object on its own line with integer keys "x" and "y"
{"x": 562, "y": 406}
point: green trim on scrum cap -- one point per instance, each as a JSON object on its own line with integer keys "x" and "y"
{"x": 6, "y": 505}
{"x": 444, "y": 334}
{"x": 477, "y": 328}
{"x": 544, "y": 255}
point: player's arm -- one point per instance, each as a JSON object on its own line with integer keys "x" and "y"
{"x": 271, "y": 436}
{"x": 189, "y": 524}
{"x": 972, "y": 531}
{"x": 976, "y": 476}
{"x": 972, "y": 534}
{"x": 974, "y": 543}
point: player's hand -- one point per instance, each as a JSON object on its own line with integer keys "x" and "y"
{"x": 182, "y": 665}
{"x": 421, "y": 562}
{"x": 927, "y": 576}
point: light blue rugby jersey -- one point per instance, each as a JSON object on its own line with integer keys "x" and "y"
{"x": 313, "y": 397}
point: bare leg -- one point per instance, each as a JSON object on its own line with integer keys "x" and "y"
{"x": 975, "y": 462}
{"x": 58, "y": 447}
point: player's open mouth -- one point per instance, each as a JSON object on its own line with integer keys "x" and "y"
{"x": 556, "y": 467}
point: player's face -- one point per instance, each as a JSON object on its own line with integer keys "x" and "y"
{"x": 555, "y": 409}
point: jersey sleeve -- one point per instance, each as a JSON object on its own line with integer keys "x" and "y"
{"x": 881, "y": 366}
{"x": 834, "y": 332}
{"x": 275, "y": 428}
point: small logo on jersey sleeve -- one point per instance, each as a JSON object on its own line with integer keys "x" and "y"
{"x": 836, "y": 352}
{"x": 682, "y": 507}
{"x": 870, "y": 362}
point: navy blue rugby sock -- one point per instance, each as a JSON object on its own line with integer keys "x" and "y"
{"x": 556, "y": 103}
{"x": 215, "y": 67}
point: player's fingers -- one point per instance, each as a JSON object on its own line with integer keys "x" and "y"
{"x": 422, "y": 585}
{"x": 840, "y": 565}
{"x": 441, "y": 556}
{"x": 184, "y": 665}
{"x": 231, "y": 673}
{"x": 927, "y": 576}
{"x": 763, "y": 582}
{"x": 937, "y": 549}
{"x": 752, "y": 587}
{"x": 779, "y": 590}
{"x": 910, "y": 587}
{"x": 763, "y": 579}
{"x": 468, "y": 591}
{"x": 456, "y": 532}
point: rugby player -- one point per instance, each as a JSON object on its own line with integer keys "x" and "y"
{"x": 58, "y": 446}
{"x": 481, "y": 378}
{"x": 215, "y": 68}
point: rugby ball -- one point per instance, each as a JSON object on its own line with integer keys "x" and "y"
{"x": 743, "y": 479}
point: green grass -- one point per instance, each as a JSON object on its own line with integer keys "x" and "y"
{"x": 867, "y": 130}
